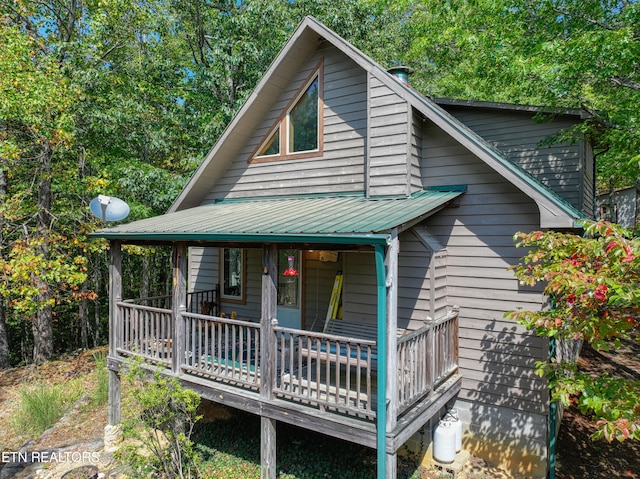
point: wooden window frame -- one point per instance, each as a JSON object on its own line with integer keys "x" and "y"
{"x": 243, "y": 278}
{"x": 282, "y": 122}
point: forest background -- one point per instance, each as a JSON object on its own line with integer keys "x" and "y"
{"x": 125, "y": 97}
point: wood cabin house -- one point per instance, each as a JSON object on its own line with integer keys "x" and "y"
{"x": 357, "y": 235}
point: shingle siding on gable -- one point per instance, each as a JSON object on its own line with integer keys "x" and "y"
{"x": 340, "y": 169}
{"x": 389, "y": 141}
{"x": 417, "y": 121}
{"x": 565, "y": 168}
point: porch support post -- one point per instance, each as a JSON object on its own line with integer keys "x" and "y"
{"x": 115, "y": 295}
{"x": 381, "y": 413}
{"x": 178, "y": 305}
{"x": 392, "y": 345}
{"x": 267, "y": 360}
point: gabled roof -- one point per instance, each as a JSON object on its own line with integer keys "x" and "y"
{"x": 493, "y": 105}
{"x": 554, "y": 211}
{"x": 329, "y": 219}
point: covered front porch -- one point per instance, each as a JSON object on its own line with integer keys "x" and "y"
{"x": 376, "y": 388}
{"x": 369, "y": 382}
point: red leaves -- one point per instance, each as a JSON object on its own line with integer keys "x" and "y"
{"x": 594, "y": 284}
{"x": 601, "y": 293}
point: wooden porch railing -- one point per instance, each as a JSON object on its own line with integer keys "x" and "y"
{"x": 222, "y": 349}
{"x": 163, "y": 301}
{"x": 426, "y": 358}
{"x": 195, "y": 301}
{"x": 146, "y": 331}
{"x": 325, "y": 371}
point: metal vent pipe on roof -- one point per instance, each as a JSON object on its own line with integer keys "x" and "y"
{"x": 401, "y": 72}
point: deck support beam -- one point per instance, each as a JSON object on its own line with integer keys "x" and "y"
{"x": 115, "y": 295}
{"x": 267, "y": 360}
{"x": 267, "y": 448}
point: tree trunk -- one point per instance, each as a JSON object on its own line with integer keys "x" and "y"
{"x": 83, "y": 313}
{"x": 42, "y": 329}
{"x": 145, "y": 290}
{"x": 4, "y": 336}
{"x": 96, "y": 302}
{"x": 42, "y": 325}
{"x": 4, "y": 341}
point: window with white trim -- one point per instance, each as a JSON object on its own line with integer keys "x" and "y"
{"x": 232, "y": 272}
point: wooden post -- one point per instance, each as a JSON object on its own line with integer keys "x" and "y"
{"x": 268, "y": 448}
{"x": 391, "y": 261}
{"x": 115, "y": 295}
{"x": 431, "y": 352}
{"x": 179, "y": 305}
{"x": 268, "y": 357}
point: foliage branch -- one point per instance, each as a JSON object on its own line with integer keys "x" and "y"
{"x": 161, "y": 416}
{"x": 594, "y": 285}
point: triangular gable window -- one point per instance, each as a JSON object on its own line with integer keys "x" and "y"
{"x": 303, "y": 121}
{"x": 272, "y": 145}
{"x": 298, "y": 131}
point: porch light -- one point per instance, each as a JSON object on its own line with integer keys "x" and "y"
{"x": 290, "y": 271}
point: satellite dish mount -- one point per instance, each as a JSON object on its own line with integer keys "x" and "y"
{"x": 109, "y": 208}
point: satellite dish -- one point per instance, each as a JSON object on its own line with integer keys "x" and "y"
{"x": 109, "y": 208}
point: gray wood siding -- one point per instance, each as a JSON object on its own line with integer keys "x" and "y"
{"x": 422, "y": 285}
{"x": 204, "y": 273}
{"x": 416, "y": 152}
{"x": 497, "y": 355}
{"x": 359, "y": 298}
{"x": 588, "y": 181}
{"x": 389, "y": 142}
{"x": 560, "y": 166}
{"x": 341, "y": 167}
{"x": 203, "y": 268}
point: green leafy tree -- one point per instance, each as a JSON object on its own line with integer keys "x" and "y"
{"x": 36, "y": 131}
{"x": 579, "y": 54}
{"x": 594, "y": 284}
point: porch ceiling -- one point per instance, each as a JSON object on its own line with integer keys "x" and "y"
{"x": 339, "y": 219}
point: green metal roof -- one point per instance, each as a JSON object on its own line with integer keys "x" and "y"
{"x": 339, "y": 219}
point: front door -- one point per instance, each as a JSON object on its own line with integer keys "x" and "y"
{"x": 289, "y": 288}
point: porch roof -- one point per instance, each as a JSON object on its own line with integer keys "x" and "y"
{"x": 319, "y": 218}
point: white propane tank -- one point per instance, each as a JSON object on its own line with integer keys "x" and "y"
{"x": 456, "y": 423}
{"x": 444, "y": 442}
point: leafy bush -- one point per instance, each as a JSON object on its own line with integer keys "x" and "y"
{"x": 161, "y": 417}
{"x": 593, "y": 281}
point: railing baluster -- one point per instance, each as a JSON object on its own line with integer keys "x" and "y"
{"x": 315, "y": 368}
{"x": 426, "y": 358}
